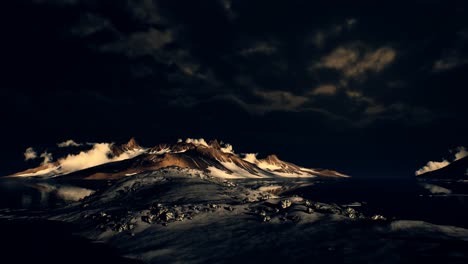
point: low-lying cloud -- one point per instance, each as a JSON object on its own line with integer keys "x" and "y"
{"x": 435, "y": 189}
{"x": 435, "y": 165}
{"x": 65, "y": 192}
{"x": 47, "y": 158}
{"x": 72, "y": 193}
{"x": 100, "y": 153}
{"x": 250, "y": 157}
{"x": 30, "y": 154}
{"x": 432, "y": 166}
{"x": 224, "y": 147}
{"x": 227, "y": 148}
{"x": 461, "y": 153}
{"x": 86, "y": 159}
{"x": 68, "y": 143}
{"x": 195, "y": 141}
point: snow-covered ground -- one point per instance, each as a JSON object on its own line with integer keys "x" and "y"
{"x": 186, "y": 216}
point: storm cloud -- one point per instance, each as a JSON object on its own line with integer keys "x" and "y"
{"x": 283, "y": 76}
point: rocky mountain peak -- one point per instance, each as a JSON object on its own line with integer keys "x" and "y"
{"x": 196, "y": 154}
{"x": 272, "y": 159}
{"x": 215, "y": 144}
{"x": 131, "y": 144}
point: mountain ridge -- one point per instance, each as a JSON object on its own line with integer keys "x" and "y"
{"x": 457, "y": 170}
{"x": 214, "y": 158}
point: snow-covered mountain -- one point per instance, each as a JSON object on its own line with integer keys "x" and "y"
{"x": 217, "y": 159}
{"x": 457, "y": 170}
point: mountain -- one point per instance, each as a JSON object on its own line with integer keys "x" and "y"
{"x": 131, "y": 145}
{"x": 100, "y": 153}
{"x": 456, "y": 170}
{"x": 213, "y": 159}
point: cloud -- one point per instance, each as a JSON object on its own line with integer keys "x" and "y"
{"x": 375, "y": 109}
{"x": 373, "y": 61}
{"x": 341, "y": 58}
{"x": 326, "y": 89}
{"x": 435, "y": 165}
{"x": 195, "y": 141}
{"x": 372, "y": 110}
{"x": 461, "y": 153}
{"x": 145, "y": 11}
{"x": 100, "y": 153}
{"x": 250, "y": 157}
{"x": 227, "y": 6}
{"x": 140, "y": 43}
{"x": 66, "y": 192}
{"x": 432, "y": 165}
{"x": 435, "y": 189}
{"x": 360, "y": 97}
{"x": 30, "y": 154}
{"x": 90, "y": 24}
{"x": 227, "y": 148}
{"x": 72, "y": 193}
{"x": 47, "y": 157}
{"x": 280, "y": 100}
{"x": 68, "y": 143}
{"x": 351, "y": 22}
{"x": 259, "y": 48}
{"x": 448, "y": 63}
{"x": 320, "y": 37}
{"x": 355, "y": 63}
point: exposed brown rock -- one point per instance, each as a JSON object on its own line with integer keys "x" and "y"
{"x": 183, "y": 155}
{"x": 214, "y": 144}
{"x": 132, "y": 144}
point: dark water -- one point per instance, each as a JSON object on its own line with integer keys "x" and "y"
{"x": 38, "y": 194}
{"x": 42, "y": 241}
{"x": 396, "y": 199}
{"x": 32, "y": 240}
{"x": 25, "y": 194}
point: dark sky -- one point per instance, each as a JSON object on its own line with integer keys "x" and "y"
{"x": 372, "y": 90}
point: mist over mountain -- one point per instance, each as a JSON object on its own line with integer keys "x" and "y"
{"x": 111, "y": 161}
{"x": 457, "y": 170}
